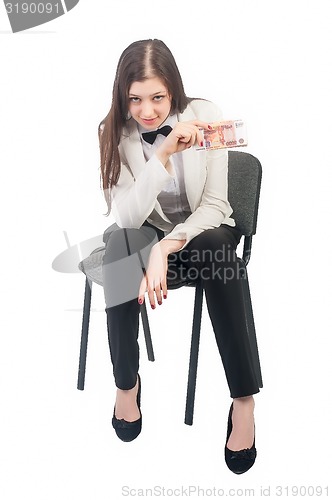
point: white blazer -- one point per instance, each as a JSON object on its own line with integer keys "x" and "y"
{"x": 134, "y": 198}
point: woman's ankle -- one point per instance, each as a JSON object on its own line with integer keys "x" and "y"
{"x": 246, "y": 401}
{"x": 126, "y": 403}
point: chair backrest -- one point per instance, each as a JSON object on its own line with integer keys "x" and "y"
{"x": 244, "y": 182}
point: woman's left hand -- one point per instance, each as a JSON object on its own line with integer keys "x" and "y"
{"x": 155, "y": 279}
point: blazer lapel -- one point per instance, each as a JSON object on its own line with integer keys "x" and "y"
{"x": 132, "y": 148}
{"x": 194, "y": 163}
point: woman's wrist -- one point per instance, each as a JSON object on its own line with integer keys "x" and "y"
{"x": 164, "y": 159}
{"x": 170, "y": 246}
{"x": 162, "y": 156}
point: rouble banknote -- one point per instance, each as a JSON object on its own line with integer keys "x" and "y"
{"x": 225, "y": 134}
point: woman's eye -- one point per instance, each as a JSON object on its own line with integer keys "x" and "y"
{"x": 158, "y": 97}
{"x": 134, "y": 99}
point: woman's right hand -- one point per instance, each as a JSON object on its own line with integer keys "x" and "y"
{"x": 183, "y": 136}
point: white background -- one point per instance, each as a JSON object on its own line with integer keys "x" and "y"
{"x": 268, "y": 63}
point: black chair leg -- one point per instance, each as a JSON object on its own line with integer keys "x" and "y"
{"x": 147, "y": 332}
{"x": 85, "y": 333}
{"x": 251, "y": 328}
{"x": 193, "y": 361}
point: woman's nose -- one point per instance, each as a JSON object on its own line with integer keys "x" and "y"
{"x": 147, "y": 109}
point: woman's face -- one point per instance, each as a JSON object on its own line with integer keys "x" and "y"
{"x": 149, "y": 103}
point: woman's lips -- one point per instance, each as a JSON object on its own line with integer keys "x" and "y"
{"x": 149, "y": 121}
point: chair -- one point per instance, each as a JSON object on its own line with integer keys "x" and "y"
{"x": 244, "y": 181}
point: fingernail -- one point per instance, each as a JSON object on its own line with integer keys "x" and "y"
{"x": 209, "y": 127}
{"x": 165, "y": 296}
{"x": 159, "y": 302}
{"x": 153, "y": 306}
{"x": 201, "y": 143}
{"x": 140, "y": 301}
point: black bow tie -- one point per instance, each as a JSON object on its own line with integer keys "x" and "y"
{"x": 151, "y": 136}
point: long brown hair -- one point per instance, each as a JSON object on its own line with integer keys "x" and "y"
{"x": 139, "y": 61}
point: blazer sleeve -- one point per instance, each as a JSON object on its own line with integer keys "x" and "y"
{"x": 214, "y": 207}
{"x": 134, "y": 198}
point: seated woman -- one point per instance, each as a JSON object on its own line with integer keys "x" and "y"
{"x": 170, "y": 205}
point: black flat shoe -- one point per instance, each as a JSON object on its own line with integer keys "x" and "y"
{"x": 128, "y": 431}
{"x": 242, "y": 460}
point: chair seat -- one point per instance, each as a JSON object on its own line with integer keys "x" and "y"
{"x": 91, "y": 266}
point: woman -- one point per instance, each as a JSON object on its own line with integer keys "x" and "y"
{"x": 172, "y": 212}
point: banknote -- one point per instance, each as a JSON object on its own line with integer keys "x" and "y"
{"x": 225, "y": 134}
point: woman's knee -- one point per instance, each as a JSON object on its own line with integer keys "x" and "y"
{"x": 215, "y": 239}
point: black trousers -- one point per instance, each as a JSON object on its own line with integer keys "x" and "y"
{"x": 210, "y": 256}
